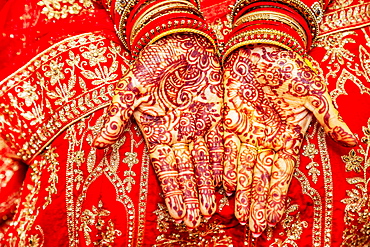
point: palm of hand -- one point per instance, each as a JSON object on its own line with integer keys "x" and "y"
{"x": 270, "y": 94}
{"x": 174, "y": 92}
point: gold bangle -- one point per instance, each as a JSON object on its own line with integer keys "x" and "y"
{"x": 150, "y": 15}
{"x": 263, "y": 40}
{"x": 123, "y": 9}
{"x": 184, "y": 30}
{"x": 298, "y": 5}
{"x": 274, "y": 16}
{"x": 133, "y": 36}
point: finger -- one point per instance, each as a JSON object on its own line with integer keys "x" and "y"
{"x": 325, "y": 112}
{"x": 119, "y": 112}
{"x": 204, "y": 176}
{"x": 163, "y": 160}
{"x": 215, "y": 144}
{"x": 281, "y": 176}
{"x": 187, "y": 184}
{"x": 260, "y": 188}
{"x": 246, "y": 164}
{"x": 232, "y": 146}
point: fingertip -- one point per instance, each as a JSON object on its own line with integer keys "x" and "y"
{"x": 207, "y": 203}
{"x": 256, "y": 234}
{"x": 272, "y": 224}
{"x": 176, "y": 207}
{"x": 343, "y": 137}
{"x": 98, "y": 143}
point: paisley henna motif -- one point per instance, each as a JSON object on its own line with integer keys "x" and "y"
{"x": 175, "y": 93}
{"x": 270, "y": 97}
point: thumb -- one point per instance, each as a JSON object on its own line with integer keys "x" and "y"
{"x": 123, "y": 104}
{"x": 323, "y": 109}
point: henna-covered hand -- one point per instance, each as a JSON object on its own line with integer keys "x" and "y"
{"x": 270, "y": 95}
{"x": 175, "y": 93}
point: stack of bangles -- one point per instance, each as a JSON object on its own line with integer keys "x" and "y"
{"x": 275, "y": 23}
{"x": 147, "y": 21}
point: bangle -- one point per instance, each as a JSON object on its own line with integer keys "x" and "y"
{"x": 311, "y": 17}
{"x": 159, "y": 18}
{"x": 164, "y": 26}
{"x": 158, "y": 10}
{"x": 123, "y": 8}
{"x": 266, "y": 36}
{"x": 273, "y": 16}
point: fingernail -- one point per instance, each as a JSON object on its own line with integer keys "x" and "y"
{"x": 256, "y": 235}
{"x": 272, "y": 224}
{"x": 207, "y": 217}
{"x": 179, "y": 221}
{"x": 190, "y": 229}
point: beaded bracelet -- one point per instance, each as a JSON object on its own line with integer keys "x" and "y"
{"x": 148, "y": 22}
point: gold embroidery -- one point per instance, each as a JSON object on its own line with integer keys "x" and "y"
{"x": 292, "y": 225}
{"x": 97, "y": 218}
{"x": 49, "y": 92}
{"x": 109, "y": 167}
{"x": 339, "y": 4}
{"x": 27, "y": 215}
{"x": 209, "y": 233}
{"x": 317, "y": 206}
{"x": 222, "y": 29}
{"x": 310, "y": 151}
{"x": 53, "y": 168}
{"x": 328, "y": 184}
{"x": 143, "y": 193}
{"x": 338, "y": 56}
{"x": 59, "y": 9}
{"x": 345, "y": 18}
{"x": 334, "y": 46}
{"x": 357, "y": 211}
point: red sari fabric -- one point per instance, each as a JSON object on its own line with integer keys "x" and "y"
{"x": 59, "y": 67}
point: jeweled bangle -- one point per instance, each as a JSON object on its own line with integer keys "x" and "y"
{"x": 158, "y": 10}
{"x": 265, "y": 36}
{"x": 164, "y": 17}
{"x": 123, "y": 9}
{"x": 170, "y": 24}
{"x": 273, "y": 16}
{"x": 311, "y": 17}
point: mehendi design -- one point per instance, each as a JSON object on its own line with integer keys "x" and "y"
{"x": 270, "y": 97}
{"x": 174, "y": 91}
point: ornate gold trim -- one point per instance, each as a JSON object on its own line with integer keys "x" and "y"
{"x": 345, "y": 19}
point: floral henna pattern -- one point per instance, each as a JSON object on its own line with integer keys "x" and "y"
{"x": 270, "y": 97}
{"x": 187, "y": 182}
{"x": 248, "y": 157}
{"x": 204, "y": 174}
{"x": 175, "y": 93}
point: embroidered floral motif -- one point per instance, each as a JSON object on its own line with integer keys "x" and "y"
{"x": 357, "y": 211}
{"x": 353, "y": 161}
{"x": 334, "y": 46}
{"x": 95, "y": 54}
{"x": 310, "y": 151}
{"x": 59, "y": 9}
{"x": 293, "y": 227}
{"x": 97, "y": 218}
{"x": 51, "y": 90}
{"x": 53, "y": 169}
{"x": 208, "y": 234}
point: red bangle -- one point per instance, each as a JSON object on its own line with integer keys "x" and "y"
{"x": 165, "y": 24}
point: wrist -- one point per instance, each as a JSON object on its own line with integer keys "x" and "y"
{"x": 289, "y": 24}
{"x": 148, "y": 22}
